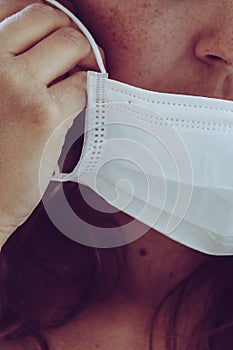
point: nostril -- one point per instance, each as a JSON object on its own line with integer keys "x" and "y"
{"x": 214, "y": 58}
{"x": 213, "y": 51}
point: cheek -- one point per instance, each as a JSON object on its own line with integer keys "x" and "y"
{"x": 134, "y": 44}
{"x": 138, "y": 37}
{"x": 129, "y": 26}
{"x": 125, "y": 23}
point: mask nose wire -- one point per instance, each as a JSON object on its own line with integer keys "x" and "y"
{"x": 84, "y": 31}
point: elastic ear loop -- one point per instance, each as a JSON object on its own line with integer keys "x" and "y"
{"x": 57, "y": 176}
{"x": 84, "y": 31}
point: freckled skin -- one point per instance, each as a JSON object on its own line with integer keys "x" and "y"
{"x": 163, "y": 45}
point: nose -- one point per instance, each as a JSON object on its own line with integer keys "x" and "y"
{"x": 216, "y": 50}
{"x": 215, "y": 44}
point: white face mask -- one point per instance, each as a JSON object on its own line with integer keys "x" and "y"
{"x": 164, "y": 159}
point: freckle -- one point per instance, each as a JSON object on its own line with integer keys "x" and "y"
{"x": 171, "y": 275}
{"x": 97, "y": 346}
{"x": 143, "y": 252}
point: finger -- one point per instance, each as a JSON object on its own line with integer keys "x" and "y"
{"x": 9, "y": 7}
{"x": 58, "y": 54}
{"x": 28, "y": 26}
{"x": 89, "y": 64}
{"x": 70, "y": 95}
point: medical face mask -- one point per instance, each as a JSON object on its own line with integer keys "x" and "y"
{"x": 164, "y": 159}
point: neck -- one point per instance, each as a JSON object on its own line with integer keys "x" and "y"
{"x": 154, "y": 265}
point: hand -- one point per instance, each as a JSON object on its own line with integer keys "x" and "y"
{"x": 38, "y": 46}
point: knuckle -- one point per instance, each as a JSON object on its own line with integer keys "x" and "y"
{"x": 39, "y": 8}
{"x": 74, "y": 38}
{"x": 39, "y": 11}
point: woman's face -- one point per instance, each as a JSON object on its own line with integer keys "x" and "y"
{"x": 176, "y": 46}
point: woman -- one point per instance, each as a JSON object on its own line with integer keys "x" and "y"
{"x": 55, "y": 293}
